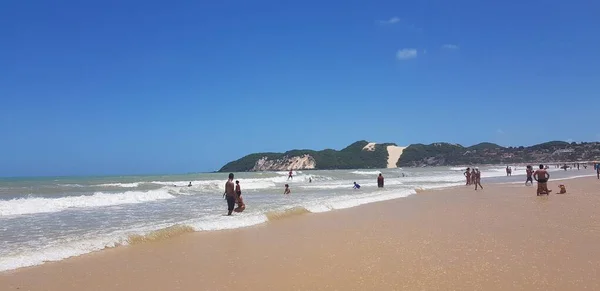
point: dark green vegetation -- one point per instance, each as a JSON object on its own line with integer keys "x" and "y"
{"x": 420, "y": 155}
{"x": 444, "y": 154}
{"x": 351, "y": 157}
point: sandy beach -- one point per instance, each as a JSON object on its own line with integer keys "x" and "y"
{"x": 500, "y": 238}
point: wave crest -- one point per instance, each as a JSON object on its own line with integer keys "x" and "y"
{"x": 22, "y": 206}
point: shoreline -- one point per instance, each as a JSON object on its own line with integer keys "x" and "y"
{"x": 170, "y": 231}
{"x": 494, "y": 239}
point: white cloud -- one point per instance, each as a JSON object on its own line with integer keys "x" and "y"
{"x": 450, "y": 46}
{"x": 392, "y": 20}
{"x": 500, "y": 131}
{"x": 406, "y": 54}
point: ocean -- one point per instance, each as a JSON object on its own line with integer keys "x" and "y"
{"x": 50, "y": 219}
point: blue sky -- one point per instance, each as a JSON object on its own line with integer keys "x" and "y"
{"x": 126, "y": 87}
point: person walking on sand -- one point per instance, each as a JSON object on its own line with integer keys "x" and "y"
{"x": 380, "y": 181}
{"x": 467, "y": 174}
{"x": 529, "y": 175}
{"x": 239, "y": 200}
{"x": 597, "y": 167}
{"x": 291, "y": 175}
{"x": 542, "y": 176}
{"x": 229, "y": 194}
{"x": 477, "y": 180}
{"x": 287, "y": 189}
{"x": 473, "y": 174}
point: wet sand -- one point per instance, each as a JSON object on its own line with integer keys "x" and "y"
{"x": 501, "y": 238}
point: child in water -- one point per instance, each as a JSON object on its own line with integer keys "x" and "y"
{"x": 356, "y": 186}
{"x": 287, "y": 189}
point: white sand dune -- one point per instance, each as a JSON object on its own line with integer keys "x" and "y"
{"x": 394, "y": 153}
{"x": 370, "y": 147}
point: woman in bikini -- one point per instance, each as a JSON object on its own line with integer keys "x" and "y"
{"x": 239, "y": 200}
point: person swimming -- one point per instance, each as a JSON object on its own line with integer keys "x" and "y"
{"x": 287, "y": 189}
{"x": 190, "y": 184}
{"x": 356, "y": 186}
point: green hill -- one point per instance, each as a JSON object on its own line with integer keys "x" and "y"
{"x": 355, "y": 156}
{"x": 351, "y": 157}
{"x": 444, "y": 154}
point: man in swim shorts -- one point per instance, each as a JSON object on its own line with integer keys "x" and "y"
{"x": 542, "y": 176}
{"x": 380, "y": 181}
{"x": 230, "y": 194}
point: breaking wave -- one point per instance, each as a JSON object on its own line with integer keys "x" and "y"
{"x": 99, "y": 199}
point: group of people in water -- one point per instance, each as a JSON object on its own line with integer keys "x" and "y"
{"x": 233, "y": 192}
{"x": 380, "y": 182}
{"x": 233, "y": 195}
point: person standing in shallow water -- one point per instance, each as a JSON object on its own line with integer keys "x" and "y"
{"x": 287, "y": 189}
{"x": 229, "y": 194}
{"x": 239, "y": 200}
{"x": 477, "y": 180}
{"x": 380, "y": 181}
{"x": 529, "y": 175}
{"x": 291, "y": 175}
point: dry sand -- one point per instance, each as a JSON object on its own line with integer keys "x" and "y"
{"x": 394, "y": 153}
{"x": 501, "y": 238}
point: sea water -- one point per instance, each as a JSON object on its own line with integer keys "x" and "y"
{"x": 50, "y": 219}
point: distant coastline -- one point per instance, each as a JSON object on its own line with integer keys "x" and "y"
{"x": 368, "y": 155}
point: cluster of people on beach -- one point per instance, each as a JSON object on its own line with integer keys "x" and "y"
{"x": 473, "y": 177}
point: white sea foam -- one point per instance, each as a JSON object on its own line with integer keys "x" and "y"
{"x": 348, "y": 201}
{"x": 220, "y": 222}
{"x": 246, "y": 184}
{"x": 99, "y": 199}
{"x": 122, "y": 185}
{"x": 294, "y": 173}
{"x": 76, "y": 246}
{"x": 366, "y": 172}
{"x": 57, "y": 251}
